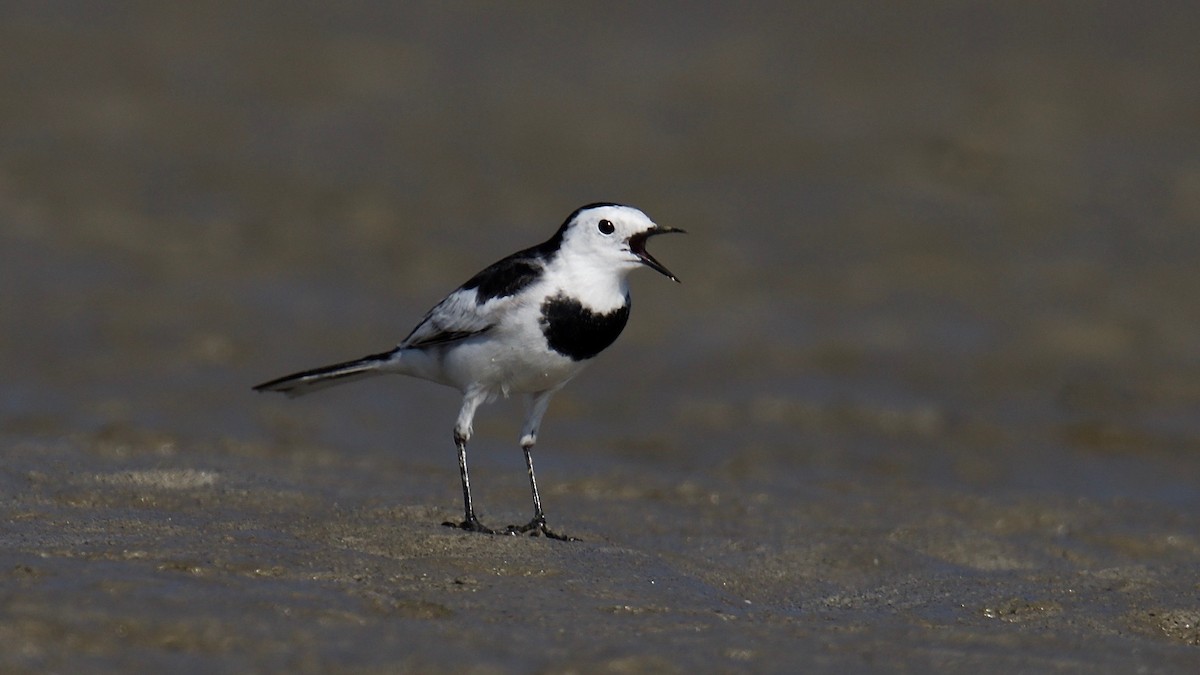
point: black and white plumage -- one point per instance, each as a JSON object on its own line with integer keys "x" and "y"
{"x": 525, "y": 325}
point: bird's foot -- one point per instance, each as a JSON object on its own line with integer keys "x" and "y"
{"x": 537, "y": 528}
{"x": 472, "y": 524}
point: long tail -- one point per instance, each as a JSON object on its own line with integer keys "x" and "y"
{"x": 299, "y": 384}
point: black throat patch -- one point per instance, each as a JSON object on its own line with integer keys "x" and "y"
{"x": 576, "y": 331}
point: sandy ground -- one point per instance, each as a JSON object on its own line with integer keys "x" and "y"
{"x": 129, "y": 553}
{"x": 926, "y": 400}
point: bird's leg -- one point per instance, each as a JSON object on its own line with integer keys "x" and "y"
{"x": 537, "y": 526}
{"x": 462, "y": 433}
{"x": 470, "y": 522}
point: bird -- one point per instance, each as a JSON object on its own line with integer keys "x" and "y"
{"x": 527, "y": 324}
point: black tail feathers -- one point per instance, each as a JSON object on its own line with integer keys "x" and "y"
{"x": 308, "y": 381}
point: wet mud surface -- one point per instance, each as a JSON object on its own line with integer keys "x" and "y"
{"x": 927, "y": 400}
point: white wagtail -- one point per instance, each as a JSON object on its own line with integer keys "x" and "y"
{"x": 527, "y": 324}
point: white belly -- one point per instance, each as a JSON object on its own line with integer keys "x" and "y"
{"x": 490, "y": 366}
{"x": 511, "y": 358}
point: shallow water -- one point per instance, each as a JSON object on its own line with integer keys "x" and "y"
{"x": 926, "y": 400}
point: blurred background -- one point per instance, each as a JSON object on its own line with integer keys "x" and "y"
{"x": 968, "y": 226}
{"x": 934, "y": 249}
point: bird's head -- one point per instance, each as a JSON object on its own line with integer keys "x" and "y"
{"x": 612, "y": 236}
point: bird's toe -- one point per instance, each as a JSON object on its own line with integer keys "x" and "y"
{"x": 537, "y": 528}
{"x": 472, "y": 524}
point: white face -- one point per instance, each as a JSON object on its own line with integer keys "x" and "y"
{"x": 614, "y": 237}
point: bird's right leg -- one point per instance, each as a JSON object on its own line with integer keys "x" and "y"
{"x": 537, "y": 409}
{"x": 462, "y": 434}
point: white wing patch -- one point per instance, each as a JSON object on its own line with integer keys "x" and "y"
{"x": 457, "y": 317}
{"x": 479, "y": 304}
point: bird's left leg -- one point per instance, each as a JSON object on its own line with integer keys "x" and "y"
{"x": 462, "y": 434}
{"x": 533, "y": 420}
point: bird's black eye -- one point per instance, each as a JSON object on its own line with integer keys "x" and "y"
{"x": 605, "y": 226}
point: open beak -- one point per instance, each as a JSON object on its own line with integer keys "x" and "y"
{"x": 637, "y": 244}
